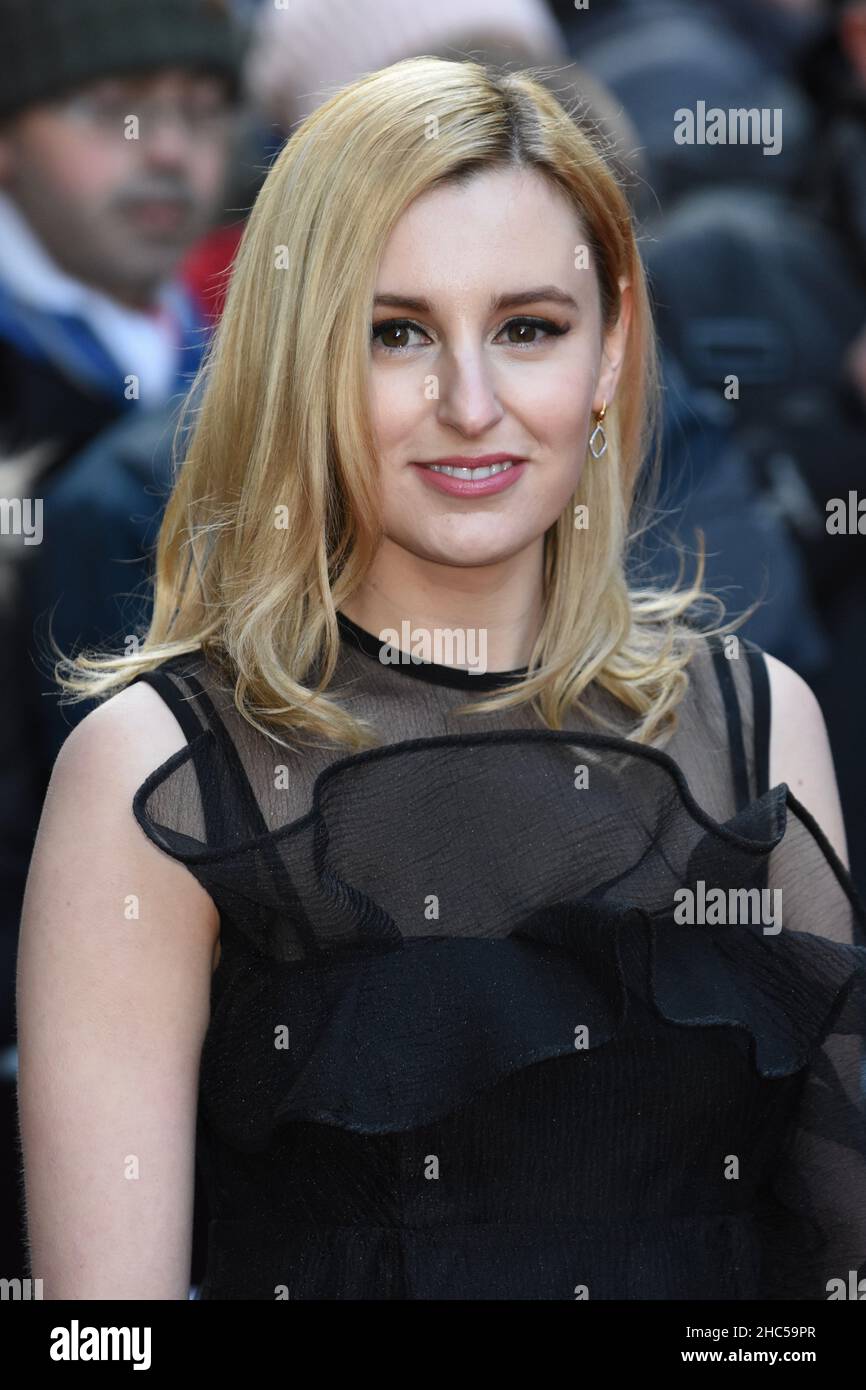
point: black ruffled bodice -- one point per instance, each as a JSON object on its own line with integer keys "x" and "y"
{"x": 465, "y": 1041}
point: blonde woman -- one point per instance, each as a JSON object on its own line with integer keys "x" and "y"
{"x": 480, "y": 925}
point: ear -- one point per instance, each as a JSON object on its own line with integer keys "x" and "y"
{"x": 613, "y": 350}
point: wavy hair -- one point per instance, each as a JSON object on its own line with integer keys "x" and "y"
{"x": 280, "y": 424}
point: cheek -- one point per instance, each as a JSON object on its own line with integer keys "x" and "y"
{"x": 554, "y": 400}
{"x": 79, "y": 174}
{"x": 206, "y": 173}
{"x": 563, "y": 396}
{"x": 397, "y": 404}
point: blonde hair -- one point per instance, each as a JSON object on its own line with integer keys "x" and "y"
{"x": 282, "y": 422}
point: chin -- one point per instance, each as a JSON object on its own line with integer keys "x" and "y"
{"x": 469, "y": 554}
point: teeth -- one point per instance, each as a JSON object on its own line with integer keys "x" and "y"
{"x": 471, "y": 473}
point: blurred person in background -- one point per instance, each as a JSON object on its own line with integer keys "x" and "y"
{"x": 302, "y": 52}
{"x": 658, "y": 55}
{"x": 833, "y": 75}
{"x": 115, "y": 129}
{"x": 763, "y": 289}
{"x": 113, "y": 145}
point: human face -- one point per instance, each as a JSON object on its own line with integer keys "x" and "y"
{"x": 113, "y": 211}
{"x": 455, "y": 371}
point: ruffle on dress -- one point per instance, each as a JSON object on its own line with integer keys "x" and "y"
{"x": 453, "y": 910}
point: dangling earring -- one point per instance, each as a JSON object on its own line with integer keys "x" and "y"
{"x": 598, "y": 437}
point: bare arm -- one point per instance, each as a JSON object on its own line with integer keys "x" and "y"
{"x": 800, "y": 751}
{"x": 820, "y": 1175}
{"x": 114, "y": 973}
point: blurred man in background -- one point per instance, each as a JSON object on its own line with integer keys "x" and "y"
{"x": 114, "y": 118}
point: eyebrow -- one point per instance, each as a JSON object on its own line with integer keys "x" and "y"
{"x": 504, "y": 301}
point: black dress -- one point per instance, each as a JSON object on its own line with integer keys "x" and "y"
{"x": 465, "y": 1041}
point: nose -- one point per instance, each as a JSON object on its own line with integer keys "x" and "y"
{"x": 166, "y": 140}
{"x": 468, "y": 400}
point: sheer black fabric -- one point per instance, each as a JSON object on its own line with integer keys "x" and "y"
{"x": 510, "y": 1013}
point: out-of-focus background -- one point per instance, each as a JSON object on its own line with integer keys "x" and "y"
{"x": 133, "y": 141}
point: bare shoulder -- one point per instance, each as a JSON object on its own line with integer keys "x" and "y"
{"x": 127, "y": 737}
{"x": 800, "y": 753}
{"x": 87, "y": 818}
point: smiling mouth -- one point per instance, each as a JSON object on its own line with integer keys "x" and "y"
{"x": 470, "y": 474}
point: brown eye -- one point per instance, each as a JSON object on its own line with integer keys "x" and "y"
{"x": 530, "y": 332}
{"x": 521, "y": 332}
{"x": 395, "y": 335}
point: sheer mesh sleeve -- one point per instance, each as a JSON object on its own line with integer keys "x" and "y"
{"x": 816, "y": 1213}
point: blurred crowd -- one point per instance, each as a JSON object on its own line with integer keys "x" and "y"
{"x": 133, "y": 140}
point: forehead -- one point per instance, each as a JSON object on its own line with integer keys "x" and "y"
{"x": 500, "y": 224}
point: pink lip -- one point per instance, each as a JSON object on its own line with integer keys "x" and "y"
{"x": 465, "y": 487}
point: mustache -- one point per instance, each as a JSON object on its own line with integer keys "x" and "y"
{"x": 164, "y": 190}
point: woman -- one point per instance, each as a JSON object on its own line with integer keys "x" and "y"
{"x": 503, "y": 1002}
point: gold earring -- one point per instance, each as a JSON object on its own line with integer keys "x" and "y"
{"x": 598, "y": 438}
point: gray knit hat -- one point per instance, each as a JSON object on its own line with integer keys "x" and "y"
{"x": 48, "y": 47}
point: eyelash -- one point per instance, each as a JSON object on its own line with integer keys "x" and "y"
{"x": 553, "y": 330}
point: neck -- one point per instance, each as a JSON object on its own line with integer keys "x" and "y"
{"x": 502, "y": 602}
